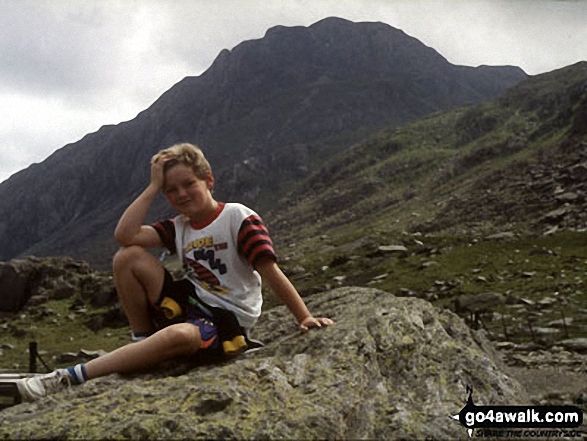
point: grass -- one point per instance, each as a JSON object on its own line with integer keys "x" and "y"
{"x": 59, "y": 332}
{"x": 446, "y": 267}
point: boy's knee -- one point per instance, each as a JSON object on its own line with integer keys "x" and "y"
{"x": 183, "y": 336}
{"x": 126, "y": 256}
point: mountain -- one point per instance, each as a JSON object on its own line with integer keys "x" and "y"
{"x": 516, "y": 165}
{"x": 267, "y": 114}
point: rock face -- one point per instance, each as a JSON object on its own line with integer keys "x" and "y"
{"x": 35, "y": 280}
{"x": 390, "y": 368}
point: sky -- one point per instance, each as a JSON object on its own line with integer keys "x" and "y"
{"x": 68, "y": 67}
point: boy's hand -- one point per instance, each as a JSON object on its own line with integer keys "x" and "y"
{"x": 312, "y": 322}
{"x": 157, "y": 171}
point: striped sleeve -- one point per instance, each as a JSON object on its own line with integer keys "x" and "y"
{"x": 166, "y": 231}
{"x": 254, "y": 241}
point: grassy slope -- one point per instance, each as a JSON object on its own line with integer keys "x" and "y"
{"x": 454, "y": 177}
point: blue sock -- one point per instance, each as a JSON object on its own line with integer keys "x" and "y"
{"x": 78, "y": 372}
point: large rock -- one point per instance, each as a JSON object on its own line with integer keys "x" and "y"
{"x": 15, "y": 285}
{"x": 391, "y": 367}
{"x": 52, "y": 278}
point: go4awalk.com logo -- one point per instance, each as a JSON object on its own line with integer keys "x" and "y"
{"x": 520, "y": 421}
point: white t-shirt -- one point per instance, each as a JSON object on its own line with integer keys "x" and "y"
{"x": 219, "y": 256}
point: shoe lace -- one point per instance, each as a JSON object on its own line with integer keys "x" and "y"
{"x": 51, "y": 382}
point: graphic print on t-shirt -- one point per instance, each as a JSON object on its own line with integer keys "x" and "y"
{"x": 204, "y": 250}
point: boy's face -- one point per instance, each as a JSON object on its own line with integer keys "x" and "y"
{"x": 188, "y": 194}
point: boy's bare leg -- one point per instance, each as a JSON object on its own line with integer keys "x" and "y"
{"x": 138, "y": 277}
{"x": 173, "y": 341}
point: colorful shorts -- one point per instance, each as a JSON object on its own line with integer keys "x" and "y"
{"x": 208, "y": 331}
{"x": 194, "y": 315}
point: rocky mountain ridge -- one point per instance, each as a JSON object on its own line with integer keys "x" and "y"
{"x": 266, "y": 113}
{"x": 515, "y": 163}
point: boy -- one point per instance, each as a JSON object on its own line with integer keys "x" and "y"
{"x": 226, "y": 249}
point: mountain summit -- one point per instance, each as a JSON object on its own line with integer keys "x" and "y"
{"x": 266, "y": 113}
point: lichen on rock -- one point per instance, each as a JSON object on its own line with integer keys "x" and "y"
{"x": 391, "y": 367}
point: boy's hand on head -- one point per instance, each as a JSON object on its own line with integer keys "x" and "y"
{"x": 157, "y": 170}
{"x": 313, "y": 322}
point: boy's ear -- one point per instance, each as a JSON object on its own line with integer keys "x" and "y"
{"x": 210, "y": 180}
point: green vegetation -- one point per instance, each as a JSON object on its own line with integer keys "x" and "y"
{"x": 442, "y": 268}
{"x": 449, "y": 181}
{"x": 57, "y": 330}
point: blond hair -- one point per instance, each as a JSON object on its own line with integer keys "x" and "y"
{"x": 186, "y": 154}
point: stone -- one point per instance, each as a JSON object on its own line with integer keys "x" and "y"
{"x": 503, "y": 235}
{"x": 569, "y": 196}
{"x": 575, "y": 344}
{"x": 63, "y": 290}
{"x": 67, "y": 357}
{"x": 486, "y": 301}
{"x": 111, "y": 318}
{"x": 90, "y": 355}
{"x": 551, "y": 231}
{"x": 555, "y": 215}
{"x": 579, "y": 171}
{"x": 390, "y": 368}
{"x": 546, "y": 302}
{"x": 561, "y": 323}
{"x": 37, "y": 300}
{"x": 545, "y": 331}
{"x": 15, "y": 285}
{"x": 393, "y": 249}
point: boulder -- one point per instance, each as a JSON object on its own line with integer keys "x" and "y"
{"x": 51, "y": 278}
{"x": 486, "y": 301}
{"x": 575, "y": 344}
{"x": 502, "y": 235}
{"x": 399, "y": 249}
{"x": 15, "y": 285}
{"x": 390, "y": 368}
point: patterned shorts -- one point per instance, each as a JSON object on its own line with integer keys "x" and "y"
{"x": 194, "y": 315}
{"x": 208, "y": 331}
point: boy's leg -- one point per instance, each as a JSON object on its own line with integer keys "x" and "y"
{"x": 174, "y": 341}
{"x": 138, "y": 277}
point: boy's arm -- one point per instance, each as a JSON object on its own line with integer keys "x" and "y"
{"x": 130, "y": 229}
{"x": 284, "y": 289}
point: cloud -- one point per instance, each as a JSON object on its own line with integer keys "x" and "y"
{"x": 538, "y": 36}
{"x": 71, "y": 66}
{"x": 33, "y": 127}
{"x": 61, "y": 47}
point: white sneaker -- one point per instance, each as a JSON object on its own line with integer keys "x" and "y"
{"x": 39, "y": 386}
